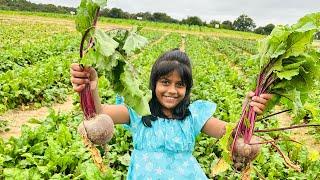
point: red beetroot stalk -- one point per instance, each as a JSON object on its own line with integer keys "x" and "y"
{"x": 249, "y": 114}
{"x": 86, "y": 99}
{"x": 87, "y": 102}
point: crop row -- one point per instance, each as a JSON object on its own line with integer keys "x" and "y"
{"x": 41, "y": 83}
{"x": 43, "y": 76}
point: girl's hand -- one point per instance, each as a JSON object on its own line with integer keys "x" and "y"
{"x": 82, "y": 76}
{"x": 258, "y": 102}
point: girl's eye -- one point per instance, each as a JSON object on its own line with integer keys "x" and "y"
{"x": 165, "y": 82}
{"x": 180, "y": 84}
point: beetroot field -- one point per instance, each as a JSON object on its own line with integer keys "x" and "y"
{"x": 37, "y": 49}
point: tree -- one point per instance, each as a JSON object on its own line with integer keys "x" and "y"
{"x": 161, "y": 17}
{"x": 259, "y": 30}
{"x": 214, "y": 24}
{"x": 192, "y": 20}
{"x": 317, "y": 35}
{"x": 118, "y": 13}
{"x": 104, "y": 12}
{"x": 266, "y": 30}
{"x": 244, "y": 23}
{"x": 144, "y": 15}
{"x": 226, "y": 25}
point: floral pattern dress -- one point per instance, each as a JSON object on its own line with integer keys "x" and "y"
{"x": 164, "y": 151}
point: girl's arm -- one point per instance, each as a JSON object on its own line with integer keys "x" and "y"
{"x": 217, "y": 128}
{"x": 79, "y": 77}
{"x": 118, "y": 113}
{"x": 214, "y": 128}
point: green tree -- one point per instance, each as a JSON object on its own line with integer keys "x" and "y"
{"x": 244, "y": 23}
{"x": 259, "y": 30}
{"x": 118, "y": 13}
{"x": 268, "y": 28}
{"x": 264, "y": 30}
{"x": 214, "y": 24}
{"x": 144, "y": 15}
{"x": 160, "y": 17}
{"x": 193, "y": 20}
{"x": 317, "y": 36}
{"x": 226, "y": 25}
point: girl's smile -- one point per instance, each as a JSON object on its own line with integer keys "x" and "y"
{"x": 170, "y": 91}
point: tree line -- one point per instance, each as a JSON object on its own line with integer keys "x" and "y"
{"x": 242, "y": 23}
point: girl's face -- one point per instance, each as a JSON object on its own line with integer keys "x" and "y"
{"x": 170, "y": 91}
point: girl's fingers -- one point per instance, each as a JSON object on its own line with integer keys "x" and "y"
{"x": 76, "y": 67}
{"x": 78, "y": 74}
{"x": 79, "y": 81}
{"x": 250, "y": 94}
{"x": 259, "y": 107}
{"x": 257, "y": 110}
{"x": 266, "y": 96}
{"x": 259, "y": 100}
{"x": 78, "y": 88}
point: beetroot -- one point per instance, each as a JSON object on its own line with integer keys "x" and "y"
{"x": 98, "y": 129}
{"x": 245, "y": 153}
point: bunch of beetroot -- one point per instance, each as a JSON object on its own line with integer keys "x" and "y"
{"x": 108, "y": 52}
{"x": 98, "y": 128}
{"x": 289, "y": 70}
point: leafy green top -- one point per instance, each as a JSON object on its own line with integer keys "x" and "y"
{"x": 290, "y": 64}
{"x": 108, "y": 52}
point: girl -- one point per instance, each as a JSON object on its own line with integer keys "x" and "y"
{"x": 163, "y": 141}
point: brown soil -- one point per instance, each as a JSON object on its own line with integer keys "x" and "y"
{"x": 183, "y": 43}
{"x": 300, "y": 134}
{"x": 17, "y": 117}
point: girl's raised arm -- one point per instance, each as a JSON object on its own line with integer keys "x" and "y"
{"x": 80, "y": 77}
{"x": 217, "y": 128}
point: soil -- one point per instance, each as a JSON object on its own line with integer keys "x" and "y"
{"x": 300, "y": 134}
{"x": 17, "y": 117}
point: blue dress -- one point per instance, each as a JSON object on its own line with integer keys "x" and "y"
{"x": 164, "y": 151}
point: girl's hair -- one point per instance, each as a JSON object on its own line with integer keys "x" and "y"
{"x": 174, "y": 60}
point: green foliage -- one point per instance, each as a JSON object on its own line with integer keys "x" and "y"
{"x": 4, "y": 126}
{"x": 227, "y": 25}
{"x": 293, "y": 65}
{"x": 27, "y": 44}
{"x": 44, "y": 83}
{"x": 110, "y": 53}
{"x": 52, "y": 150}
{"x": 193, "y": 20}
{"x": 244, "y": 23}
{"x": 24, "y": 5}
{"x": 216, "y": 78}
{"x": 265, "y": 30}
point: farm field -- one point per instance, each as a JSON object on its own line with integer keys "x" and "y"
{"x": 36, "y": 52}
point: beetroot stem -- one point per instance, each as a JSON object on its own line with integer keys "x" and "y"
{"x": 287, "y": 128}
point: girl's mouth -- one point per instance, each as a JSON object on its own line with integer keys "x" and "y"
{"x": 170, "y": 99}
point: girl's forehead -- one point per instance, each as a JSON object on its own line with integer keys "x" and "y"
{"x": 172, "y": 75}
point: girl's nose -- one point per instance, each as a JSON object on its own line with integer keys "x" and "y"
{"x": 172, "y": 89}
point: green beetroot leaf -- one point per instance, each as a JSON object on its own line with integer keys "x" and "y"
{"x": 108, "y": 52}
{"x": 289, "y": 70}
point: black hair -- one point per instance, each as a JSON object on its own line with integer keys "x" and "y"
{"x": 174, "y": 60}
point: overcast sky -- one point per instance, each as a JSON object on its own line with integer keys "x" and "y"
{"x": 261, "y": 11}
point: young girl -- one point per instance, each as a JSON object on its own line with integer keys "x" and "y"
{"x": 163, "y": 141}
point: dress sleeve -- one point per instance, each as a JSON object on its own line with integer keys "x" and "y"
{"x": 201, "y": 111}
{"x": 135, "y": 119}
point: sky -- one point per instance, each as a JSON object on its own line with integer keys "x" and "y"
{"x": 262, "y": 12}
